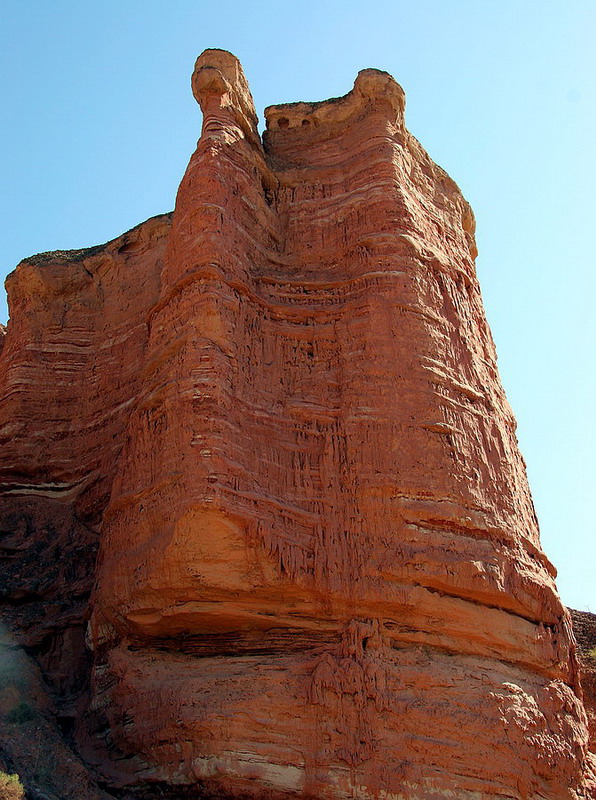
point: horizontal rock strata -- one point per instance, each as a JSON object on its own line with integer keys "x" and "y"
{"x": 278, "y": 416}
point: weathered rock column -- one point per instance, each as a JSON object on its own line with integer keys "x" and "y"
{"x": 320, "y": 572}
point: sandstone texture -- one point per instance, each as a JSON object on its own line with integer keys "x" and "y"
{"x": 266, "y": 527}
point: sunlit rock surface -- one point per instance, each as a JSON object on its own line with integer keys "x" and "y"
{"x": 277, "y": 415}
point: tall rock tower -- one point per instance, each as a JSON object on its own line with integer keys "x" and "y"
{"x": 319, "y": 567}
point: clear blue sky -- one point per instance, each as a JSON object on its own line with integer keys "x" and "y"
{"x": 99, "y": 123}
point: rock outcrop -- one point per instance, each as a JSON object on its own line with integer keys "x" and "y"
{"x": 584, "y": 626}
{"x": 277, "y": 416}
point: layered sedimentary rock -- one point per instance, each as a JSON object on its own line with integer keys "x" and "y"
{"x": 68, "y": 375}
{"x": 319, "y": 565}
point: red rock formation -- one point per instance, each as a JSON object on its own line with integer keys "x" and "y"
{"x": 320, "y": 571}
{"x": 68, "y": 377}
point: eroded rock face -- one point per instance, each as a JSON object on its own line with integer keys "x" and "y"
{"x": 320, "y": 571}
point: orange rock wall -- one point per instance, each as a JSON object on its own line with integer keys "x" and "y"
{"x": 69, "y": 370}
{"x": 68, "y": 376}
{"x": 320, "y": 571}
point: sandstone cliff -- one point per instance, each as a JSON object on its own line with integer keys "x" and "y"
{"x": 277, "y": 416}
